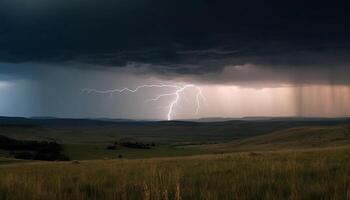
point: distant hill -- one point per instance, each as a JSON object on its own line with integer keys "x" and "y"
{"x": 43, "y": 117}
{"x": 213, "y": 119}
{"x": 292, "y": 138}
{"x": 225, "y": 119}
{"x": 92, "y": 130}
{"x": 265, "y": 118}
{"x": 16, "y": 121}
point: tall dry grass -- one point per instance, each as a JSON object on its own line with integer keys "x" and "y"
{"x": 316, "y": 174}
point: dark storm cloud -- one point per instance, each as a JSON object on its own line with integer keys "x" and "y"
{"x": 178, "y": 37}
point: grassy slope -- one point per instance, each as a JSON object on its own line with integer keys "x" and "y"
{"x": 87, "y": 139}
{"x": 303, "y": 174}
{"x": 89, "y": 131}
{"x": 95, "y": 151}
{"x": 83, "y": 141}
{"x": 314, "y": 165}
{"x": 294, "y": 138}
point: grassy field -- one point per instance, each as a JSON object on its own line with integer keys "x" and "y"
{"x": 99, "y": 151}
{"x": 292, "y": 138}
{"x": 298, "y": 174}
{"x": 274, "y": 160}
{"x": 88, "y": 139}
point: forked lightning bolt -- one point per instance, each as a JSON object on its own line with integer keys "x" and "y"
{"x": 178, "y": 90}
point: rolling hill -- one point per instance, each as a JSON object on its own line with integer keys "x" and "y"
{"x": 292, "y": 138}
{"x": 88, "y": 138}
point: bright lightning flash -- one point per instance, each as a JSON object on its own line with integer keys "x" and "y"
{"x": 178, "y": 91}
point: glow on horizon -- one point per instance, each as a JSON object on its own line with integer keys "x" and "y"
{"x": 178, "y": 90}
{"x": 235, "y": 101}
{"x": 299, "y": 101}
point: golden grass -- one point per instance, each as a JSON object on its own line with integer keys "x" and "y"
{"x": 292, "y": 138}
{"x": 309, "y": 174}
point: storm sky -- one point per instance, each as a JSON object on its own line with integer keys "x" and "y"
{"x": 251, "y": 58}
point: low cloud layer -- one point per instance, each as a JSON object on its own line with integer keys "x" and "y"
{"x": 239, "y": 42}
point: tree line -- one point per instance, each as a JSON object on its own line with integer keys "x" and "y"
{"x": 33, "y": 150}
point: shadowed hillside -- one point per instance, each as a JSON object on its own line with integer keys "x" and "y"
{"x": 300, "y": 137}
{"x": 88, "y": 138}
{"x": 88, "y": 130}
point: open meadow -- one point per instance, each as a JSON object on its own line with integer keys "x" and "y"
{"x": 275, "y": 160}
{"x": 302, "y": 174}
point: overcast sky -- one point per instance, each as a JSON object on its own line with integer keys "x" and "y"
{"x": 275, "y": 58}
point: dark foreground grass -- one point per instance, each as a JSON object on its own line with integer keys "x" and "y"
{"x": 308, "y": 174}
